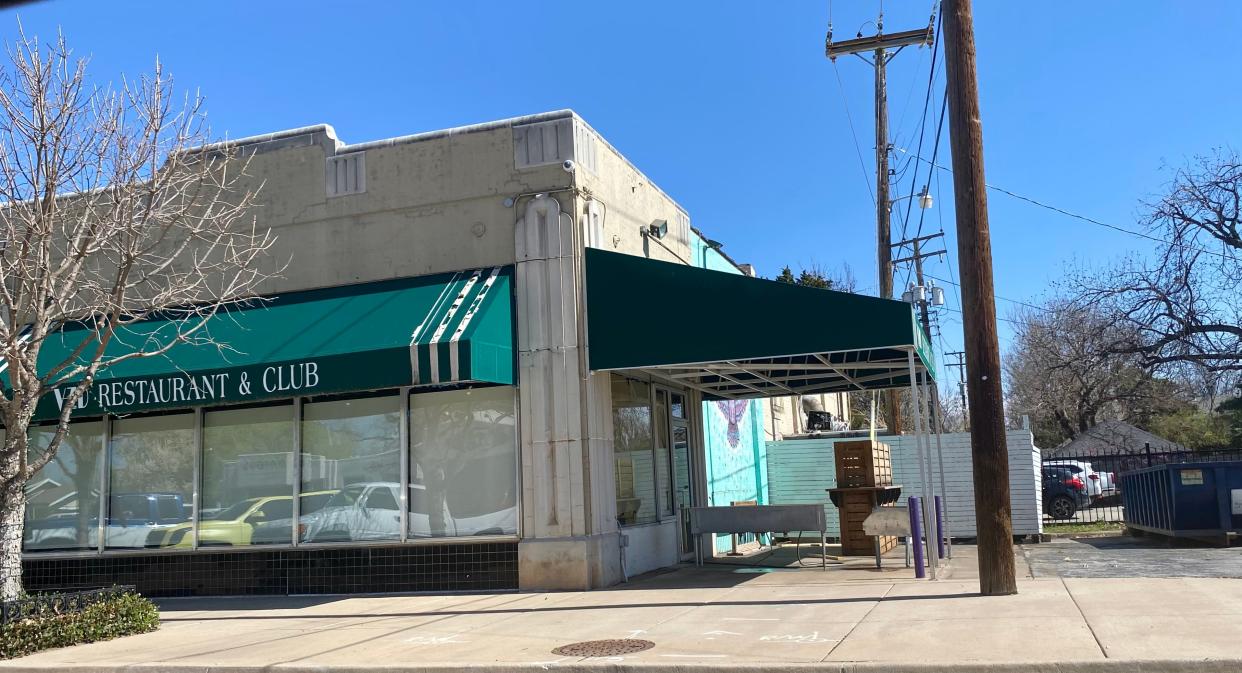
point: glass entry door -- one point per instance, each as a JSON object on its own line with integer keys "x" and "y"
{"x": 683, "y": 493}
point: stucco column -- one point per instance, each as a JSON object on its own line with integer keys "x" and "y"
{"x": 569, "y": 530}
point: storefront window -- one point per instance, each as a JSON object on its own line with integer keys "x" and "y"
{"x": 664, "y": 483}
{"x": 151, "y": 482}
{"x": 62, "y": 500}
{"x": 462, "y": 474}
{"x": 463, "y": 463}
{"x": 351, "y": 470}
{"x": 632, "y": 447}
{"x": 248, "y": 477}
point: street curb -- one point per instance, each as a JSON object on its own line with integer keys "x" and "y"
{"x": 606, "y": 664}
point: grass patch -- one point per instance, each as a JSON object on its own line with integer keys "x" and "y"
{"x": 1074, "y": 528}
{"x": 119, "y": 615}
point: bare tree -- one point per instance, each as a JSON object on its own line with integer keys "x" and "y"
{"x": 1184, "y": 306}
{"x": 113, "y": 210}
{"x": 1064, "y": 375}
{"x": 952, "y": 413}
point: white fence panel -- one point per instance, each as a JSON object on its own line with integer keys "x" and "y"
{"x": 800, "y": 471}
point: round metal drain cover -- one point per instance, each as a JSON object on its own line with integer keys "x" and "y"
{"x": 604, "y": 648}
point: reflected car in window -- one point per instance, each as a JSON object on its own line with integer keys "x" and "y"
{"x": 235, "y": 526}
{"x": 280, "y": 531}
{"x": 372, "y": 511}
{"x": 364, "y": 511}
{"x": 133, "y": 520}
{"x": 134, "y": 517}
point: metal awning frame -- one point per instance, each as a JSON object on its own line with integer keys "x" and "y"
{"x": 803, "y": 374}
{"x": 814, "y": 373}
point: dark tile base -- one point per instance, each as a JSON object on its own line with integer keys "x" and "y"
{"x": 490, "y": 566}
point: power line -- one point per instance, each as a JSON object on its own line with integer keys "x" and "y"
{"x": 1084, "y": 218}
{"x": 948, "y": 259}
{"x": 944, "y": 101}
{"x": 1008, "y": 320}
{"x": 1012, "y": 301}
{"x": 931, "y": 82}
{"x": 905, "y": 107}
{"x": 845, "y": 101}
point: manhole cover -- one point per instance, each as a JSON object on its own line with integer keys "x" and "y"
{"x": 604, "y": 648}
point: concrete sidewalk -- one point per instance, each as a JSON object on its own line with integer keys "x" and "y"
{"x": 718, "y": 618}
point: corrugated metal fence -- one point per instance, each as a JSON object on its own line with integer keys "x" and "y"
{"x": 801, "y": 470}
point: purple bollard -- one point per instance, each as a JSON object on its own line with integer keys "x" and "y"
{"x": 940, "y": 526}
{"x": 916, "y": 535}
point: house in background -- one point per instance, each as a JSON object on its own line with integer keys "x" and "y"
{"x": 1112, "y": 438}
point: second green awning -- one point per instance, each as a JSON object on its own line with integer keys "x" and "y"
{"x": 428, "y": 330}
{"x": 732, "y": 336}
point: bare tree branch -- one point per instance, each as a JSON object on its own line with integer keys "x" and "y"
{"x": 111, "y": 213}
{"x": 1183, "y": 306}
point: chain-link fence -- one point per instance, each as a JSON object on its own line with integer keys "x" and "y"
{"x": 1086, "y": 488}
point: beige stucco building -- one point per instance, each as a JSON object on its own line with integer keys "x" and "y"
{"x": 429, "y": 416}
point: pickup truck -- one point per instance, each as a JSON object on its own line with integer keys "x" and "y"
{"x": 372, "y": 511}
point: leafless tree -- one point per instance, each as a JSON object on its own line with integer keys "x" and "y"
{"x": 1064, "y": 375}
{"x": 1184, "y": 306}
{"x": 113, "y": 209}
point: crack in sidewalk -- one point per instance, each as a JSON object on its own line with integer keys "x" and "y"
{"x": 1084, "y": 618}
{"x": 860, "y": 621}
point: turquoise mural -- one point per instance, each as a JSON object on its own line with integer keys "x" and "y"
{"x": 737, "y": 467}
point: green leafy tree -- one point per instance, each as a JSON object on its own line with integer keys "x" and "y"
{"x": 816, "y": 276}
{"x": 1231, "y": 410}
{"x": 1193, "y": 428}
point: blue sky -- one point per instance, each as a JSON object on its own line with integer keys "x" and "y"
{"x": 731, "y": 107}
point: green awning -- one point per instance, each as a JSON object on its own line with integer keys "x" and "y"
{"x": 732, "y": 336}
{"x": 429, "y": 330}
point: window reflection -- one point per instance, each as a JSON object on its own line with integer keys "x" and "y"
{"x": 247, "y": 477}
{"x": 462, "y": 475}
{"x": 151, "y": 482}
{"x": 463, "y": 463}
{"x": 632, "y": 449}
{"x": 62, "y": 499}
{"x": 351, "y": 470}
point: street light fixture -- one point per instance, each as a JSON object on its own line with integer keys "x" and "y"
{"x": 925, "y": 199}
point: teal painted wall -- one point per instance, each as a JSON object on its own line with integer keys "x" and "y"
{"x": 737, "y": 466}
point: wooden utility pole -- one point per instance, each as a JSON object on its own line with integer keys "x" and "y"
{"x": 925, "y": 319}
{"x": 883, "y": 203}
{"x": 918, "y": 258}
{"x": 961, "y": 383}
{"x": 883, "y": 208}
{"x": 879, "y": 45}
{"x": 989, "y": 453}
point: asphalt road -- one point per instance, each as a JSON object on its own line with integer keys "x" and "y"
{"x": 1124, "y": 556}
